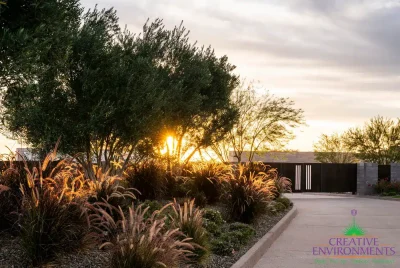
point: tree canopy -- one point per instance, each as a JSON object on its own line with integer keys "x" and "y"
{"x": 265, "y": 123}
{"x": 103, "y": 90}
{"x": 377, "y": 142}
{"x": 332, "y": 149}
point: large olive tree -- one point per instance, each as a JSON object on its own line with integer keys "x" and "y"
{"x": 104, "y": 90}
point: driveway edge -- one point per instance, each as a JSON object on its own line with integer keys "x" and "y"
{"x": 254, "y": 254}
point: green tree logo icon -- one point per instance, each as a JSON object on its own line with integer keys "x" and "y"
{"x": 354, "y": 229}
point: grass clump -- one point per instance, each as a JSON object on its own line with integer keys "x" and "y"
{"x": 205, "y": 181}
{"x": 146, "y": 243}
{"x": 51, "y": 218}
{"x": 247, "y": 196}
{"x": 189, "y": 219}
{"x": 149, "y": 178}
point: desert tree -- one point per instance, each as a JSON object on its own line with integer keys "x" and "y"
{"x": 332, "y": 149}
{"x": 265, "y": 122}
{"x": 378, "y": 141}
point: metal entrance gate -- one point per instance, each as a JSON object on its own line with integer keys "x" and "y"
{"x": 318, "y": 177}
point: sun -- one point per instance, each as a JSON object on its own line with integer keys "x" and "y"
{"x": 169, "y": 146}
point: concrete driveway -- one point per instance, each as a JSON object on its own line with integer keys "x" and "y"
{"x": 323, "y": 217}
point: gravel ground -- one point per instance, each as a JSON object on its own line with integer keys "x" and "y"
{"x": 12, "y": 256}
{"x": 11, "y": 253}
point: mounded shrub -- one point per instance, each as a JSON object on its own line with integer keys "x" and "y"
{"x": 236, "y": 235}
{"x": 285, "y": 201}
{"x": 245, "y": 230}
{"x": 226, "y": 244}
{"x": 213, "y": 215}
{"x": 279, "y": 206}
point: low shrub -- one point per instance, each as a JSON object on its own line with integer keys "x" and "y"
{"x": 226, "y": 244}
{"x": 213, "y": 215}
{"x": 149, "y": 178}
{"x": 188, "y": 218}
{"x": 279, "y": 206}
{"x": 245, "y": 231}
{"x": 236, "y": 236}
{"x": 152, "y": 206}
{"x": 12, "y": 178}
{"x": 271, "y": 209}
{"x": 146, "y": 243}
{"x": 285, "y": 201}
{"x": 247, "y": 196}
{"x": 212, "y": 221}
{"x": 212, "y": 228}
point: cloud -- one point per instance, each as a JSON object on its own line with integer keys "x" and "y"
{"x": 338, "y": 60}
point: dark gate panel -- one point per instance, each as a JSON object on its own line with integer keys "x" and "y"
{"x": 318, "y": 177}
{"x": 338, "y": 178}
{"x": 383, "y": 172}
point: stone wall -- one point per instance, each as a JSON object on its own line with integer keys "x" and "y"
{"x": 395, "y": 172}
{"x": 367, "y": 175}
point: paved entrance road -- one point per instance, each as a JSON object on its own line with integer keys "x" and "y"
{"x": 322, "y": 217}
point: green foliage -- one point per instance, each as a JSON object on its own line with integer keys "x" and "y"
{"x": 237, "y": 235}
{"x": 152, "y": 206}
{"x": 212, "y": 227}
{"x": 247, "y": 196}
{"x": 149, "y": 178}
{"x": 377, "y": 142}
{"x": 279, "y": 206}
{"x": 226, "y": 244}
{"x": 212, "y": 221}
{"x": 189, "y": 220}
{"x": 284, "y": 200}
{"x": 213, "y": 215}
{"x": 332, "y": 149}
{"x": 245, "y": 231}
{"x": 264, "y": 123}
{"x": 144, "y": 242}
{"x": 271, "y": 209}
{"x": 146, "y": 84}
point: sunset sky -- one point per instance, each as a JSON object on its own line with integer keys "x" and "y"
{"x": 338, "y": 60}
